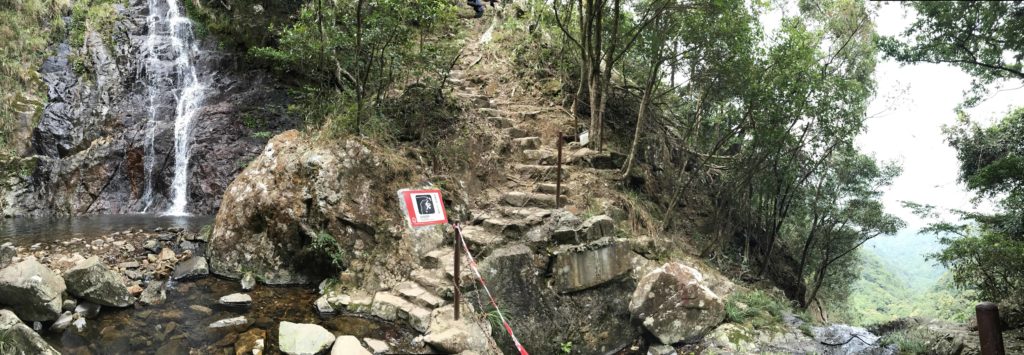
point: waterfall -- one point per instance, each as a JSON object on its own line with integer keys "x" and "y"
{"x": 171, "y": 47}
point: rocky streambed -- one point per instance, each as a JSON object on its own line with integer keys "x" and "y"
{"x": 148, "y": 290}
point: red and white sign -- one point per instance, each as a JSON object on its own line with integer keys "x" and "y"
{"x": 424, "y": 207}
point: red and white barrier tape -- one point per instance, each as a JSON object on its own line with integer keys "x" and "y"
{"x": 472, "y": 265}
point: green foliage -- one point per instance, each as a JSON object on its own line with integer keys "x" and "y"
{"x": 880, "y": 296}
{"x": 760, "y": 309}
{"x": 98, "y": 16}
{"x": 357, "y": 52}
{"x": 908, "y": 341}
{"x": 326, "y": 246}
{"x": 566, "y": 347}
{"x": 985, "y": 251}
{"x": 981, "y": 37}
{"x": 29, "y": 26}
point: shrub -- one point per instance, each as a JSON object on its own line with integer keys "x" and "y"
{"x": 758, "y": 308}
{"x": 909, "y": 341}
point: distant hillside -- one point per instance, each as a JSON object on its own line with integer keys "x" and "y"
{"x": 897, "y": 281}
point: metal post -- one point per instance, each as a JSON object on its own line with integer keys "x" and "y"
{"x": 558, "y": 179}
{"x": 989, "y": 334}
{"x": 458, "y": 253}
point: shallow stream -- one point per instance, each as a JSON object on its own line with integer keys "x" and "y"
{"x": 181, "y": 324}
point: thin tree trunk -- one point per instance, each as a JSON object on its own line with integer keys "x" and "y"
{"x": 652, "y": 80}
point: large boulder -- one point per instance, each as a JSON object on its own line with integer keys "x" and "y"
{"x": 31, "y": 290}
{"x": 674, "y": 305}
{"x": 94, "y": 282}
{"x": 303, "y": 339}
{"x": 595, "y": 319}
{"x": 580, "y": 267}
{"x": 298, "y": 191}
{"x": 19, "y": 338}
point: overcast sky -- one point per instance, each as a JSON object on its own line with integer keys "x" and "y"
{"x": 909, "y": 129}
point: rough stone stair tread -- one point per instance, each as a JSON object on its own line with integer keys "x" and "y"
{"x": 418, "y": 295}
{"x": 480, "y": 240}
{"x": 524, "y": 199}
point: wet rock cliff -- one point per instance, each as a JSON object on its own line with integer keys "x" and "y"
{"x": 106, "y": 139}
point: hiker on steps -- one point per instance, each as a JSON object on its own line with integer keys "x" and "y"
{"x": 479, "y": 7}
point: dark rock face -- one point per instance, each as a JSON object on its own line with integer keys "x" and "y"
{"x": 595, "y": 319}
{"x": 91, "y": 138}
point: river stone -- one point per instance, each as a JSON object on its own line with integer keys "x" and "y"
{"x": 69, "y": 305}
{"x": 348, "y": 345}
{"x": 7, "y": 254}
{"x": 253, "y": 341}
{"x": 660, "y": 349}
{"x": 62, "y": 322}
{"x": 19, "y": 338}
{"x": 229, "y": 322}
{"x": 673, "y": 304}
{"x": 377, "y": 346}
{"x": 190, "y": 269}
{"x": 303, "y": 339}
{"x": 323, "y": 306}
{"x": 248, "y": 282}
{"x": 87, "y": 310}
{"x": 32, "y": 290}
{"x": 155, "y": 293}
{"x": 236, "y": 300}
{"x": 94, "y": 282}
{"x": 152, "y": 245}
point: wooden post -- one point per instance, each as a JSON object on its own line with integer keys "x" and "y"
{"x": 558, "y": 179}
{"x": 458, "y": 249}
{"x": 989, "y": 334}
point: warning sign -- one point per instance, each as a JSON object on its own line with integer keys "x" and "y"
{"x": 423, "y": 207}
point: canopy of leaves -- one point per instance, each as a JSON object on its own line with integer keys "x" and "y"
{"x": 985, "y": 251}
{"x": 984, "y": 38}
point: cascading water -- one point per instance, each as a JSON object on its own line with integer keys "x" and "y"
{"x": 171, "y": 47}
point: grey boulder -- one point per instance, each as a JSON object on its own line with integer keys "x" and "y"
{"x": 32, "y": 290}
{"x": 20, "y": 339}
{"x": 94, "y": 282}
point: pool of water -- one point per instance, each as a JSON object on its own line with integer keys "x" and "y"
{"x": 30, "y": 230}
{"x": 181, "y": 324}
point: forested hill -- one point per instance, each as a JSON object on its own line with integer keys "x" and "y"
{"x": 699, "y": 140}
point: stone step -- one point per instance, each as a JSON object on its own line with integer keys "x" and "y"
{"x": 389, "y": 306}
{"x": 546, "y": 188}
{"x": 539, "y": 172}
{"x": 526, "y": 199}
{"x": 516, "y": 132}
{"x": 433, "y": 280}
{"x": 432, "y": 260}
{"x": 497, "y": 112}
{"x": 480, "y": 241}
{"x": 418, "y": 295}
{"x": 512, "y": 228}
{"x": 526, "y": 143}
{"x": 540, "y": 156}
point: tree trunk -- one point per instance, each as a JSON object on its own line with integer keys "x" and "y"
{"x": 652, "y": 80}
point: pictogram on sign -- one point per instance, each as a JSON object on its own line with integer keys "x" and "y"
{"x": 423, "y": 207}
